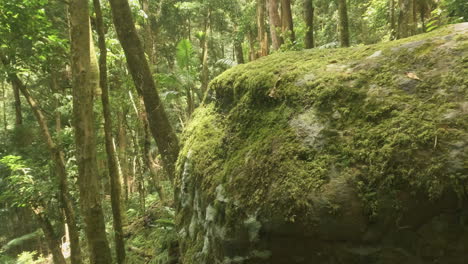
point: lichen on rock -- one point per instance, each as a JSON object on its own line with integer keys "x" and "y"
{"x": 332, "y": 156}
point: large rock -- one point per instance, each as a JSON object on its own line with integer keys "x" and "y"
{"x": 332, "y": 156}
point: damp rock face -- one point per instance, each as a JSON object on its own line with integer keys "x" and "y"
{"x": 355, "y": 155}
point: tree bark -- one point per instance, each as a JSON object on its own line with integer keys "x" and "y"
{"x": 204, "y": 76}
{"x": 404, "y": 19}
{"x": 414, "y": 16}
{"x": 343, "y": 24}
{"x": 53, "y": 242}
{"x": 122, "y": 147}
{"x": 18, "y": 112}
{"x": 275, "y": 24}
{"x": 253, "y": 52}
{"x": 239, "y": 52}
{"x": 309, "y": 21}
{"x": 85, "y": 82}
{"x": 161, "y": 129}
{"x": 114, "y": 178}
{"x": 262, "y": 34}
{"x": 287, "y": 20}
{"x": 60, "y": 168}
{"x": 393, "y": 29}
{"x": 5, "y": 123}
{"x": 422, "y": 14}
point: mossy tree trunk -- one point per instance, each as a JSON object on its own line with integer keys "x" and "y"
{"x": 85, "y": 81}
{"x": 343, "y": 23}
{"x": 60, "y": 168}
{"x": 114, "y": 177}
{"x": 309, "y": 21}
{"x": 161, "y": 129}
{"x": 287, "y": 20}
{"x": 275, "y": 24}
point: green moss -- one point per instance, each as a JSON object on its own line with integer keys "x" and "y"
{"x": 382, "y": 130}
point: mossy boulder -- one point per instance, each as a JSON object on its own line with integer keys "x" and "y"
{"x": 355, "y": 155}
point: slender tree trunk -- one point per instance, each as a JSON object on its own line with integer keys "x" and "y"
{"x": 122, "y": 151}
{"x": 85, "y": 80}
{"x": 114, "y": 178}
{"x": 148, "y": 41}
{"x": 162, "y": 131}
{"x": 253, "y": 52}
{"x": 60, "y": 168}
{"x": 204, "y": 76}
{"x": 239, "y": 52}
{"x": 422, "y": 14}
{"x": 55, "y": 89}
{"x": 309, "y": 21}
{"x": 404, "y": 18}
{"x": 343, "y": 24}
{"x": 287, "y": 20}
{"x": 262, "y": 34}
{"x": 5, "y": 123}
{"x": 275, "y": 24}
{"x": 18, "y": 111}
{"x": 52, "y": 240}
{"x": 393, "y": 29}
{"x": 414, "y": 16}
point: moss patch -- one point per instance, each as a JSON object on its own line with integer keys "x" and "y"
{"x": 385, "y": 119}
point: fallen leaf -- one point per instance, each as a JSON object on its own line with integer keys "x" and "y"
{"x": 413, "y": 76}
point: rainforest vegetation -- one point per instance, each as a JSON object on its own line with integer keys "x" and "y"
{"x": 117, "y": 114}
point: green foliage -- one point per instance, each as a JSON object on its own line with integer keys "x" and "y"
{"x": 30, "y": 258}
{"x": 22, "y": 185}
{"x": 184, "y": 54}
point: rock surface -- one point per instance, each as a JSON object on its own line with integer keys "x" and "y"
{"x": 353, "y": 155}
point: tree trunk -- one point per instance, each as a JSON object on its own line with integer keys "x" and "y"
{"x": 262, "y": 34}
{"x": 309, "y": 21}
{"x": 275, "y": 24}
{"x": 204, "y": 76}
{"x": 18, "y": 112}
{"x": 343, "y": 24}
{"x": 148, "y": 41}
{"x": 114, "y": 178}
{"x": 55, "y": 89}
{"x": 53, "y": 242}
{"x": 404, "y": 17}
{"x": 85, "y": 82}
{"x": 414, "y": 16}
{"x": 239, "y": 52}
{"x": 287, "y": 20}
{"x": 253, "y": 52}
{"x": 5, "y": 123}
{"x": 60, "y": 168}
{"x": 422, "y": 13}
{"x": 392, "y": 20}
{"x": 122, "y": 151}
{"x": 162, "y": 131}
